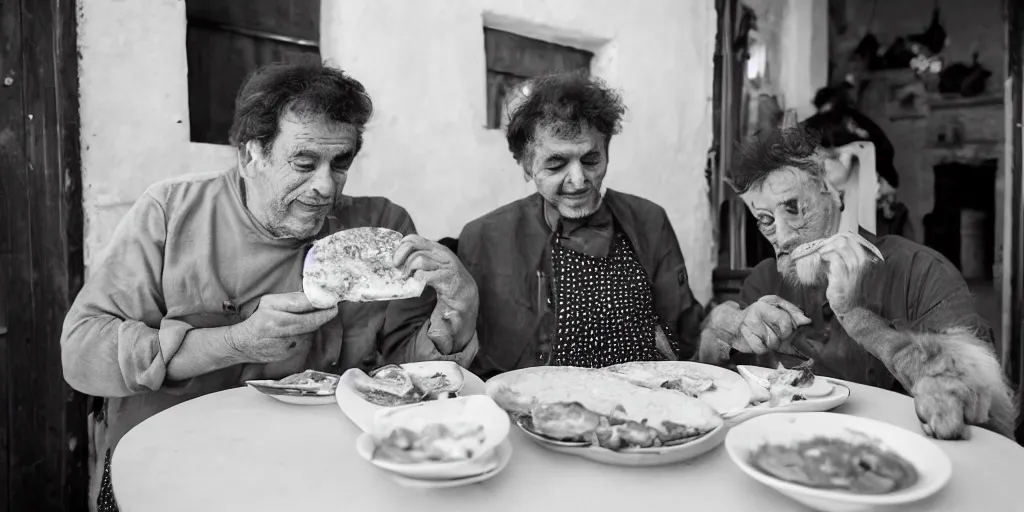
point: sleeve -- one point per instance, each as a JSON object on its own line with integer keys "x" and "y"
{"x": 671, "y": 268}
{"x": 938, "y": 299}
{"x": 115, "y": 341}
{"x": 762, "y": 281}
{"x": 406, "y": 335}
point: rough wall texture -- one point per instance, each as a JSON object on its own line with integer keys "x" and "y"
{"x": 427, "y": 147}
{"x": 423, "y": 62}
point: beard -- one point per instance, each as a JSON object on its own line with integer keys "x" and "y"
{"x": 807, "y": 272}
{"x": 579, "y": 212}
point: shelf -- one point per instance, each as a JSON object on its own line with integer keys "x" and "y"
{"x": 943, "y": 102}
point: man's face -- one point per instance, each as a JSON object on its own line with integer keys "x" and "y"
{"x": 569, "y": 173}
{"x": 792, "y": 207}
{"x": 293, "y": 188}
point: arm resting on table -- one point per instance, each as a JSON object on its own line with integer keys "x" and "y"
{"x": 954, "y": 363}
{"x": 116, "y": 341}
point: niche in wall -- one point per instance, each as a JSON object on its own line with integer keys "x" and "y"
{"x": 513, "y": 59}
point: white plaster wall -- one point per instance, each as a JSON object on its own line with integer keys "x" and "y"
{"x": 423, "y": 62}
{"x": 134, "y": 108}
{"x": 428, "y": 149}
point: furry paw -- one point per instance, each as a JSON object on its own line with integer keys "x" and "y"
{"x": 945, "y": 406}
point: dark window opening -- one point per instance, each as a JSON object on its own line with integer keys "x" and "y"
{"x": 513, "y": 59}
{"x": 227, "y": 40}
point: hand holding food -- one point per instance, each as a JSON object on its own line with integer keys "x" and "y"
{"x": 841, "y": 259}
{"x": 434, "y": 264}
{"x": 281, "y": 327}
{"x": 769, "y": 324}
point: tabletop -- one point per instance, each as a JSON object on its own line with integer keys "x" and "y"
{"x": 241, "y": 450}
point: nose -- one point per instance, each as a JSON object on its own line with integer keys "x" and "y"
{"x": 323, "y": 183}
{"x": 785, "y": 236}
{"x": 575, "y": 178}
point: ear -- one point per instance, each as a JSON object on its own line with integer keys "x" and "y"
{"x": 248, "y": 155}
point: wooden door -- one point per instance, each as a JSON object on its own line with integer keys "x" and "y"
{"x": 43, "y": 439}
{"x": 1013, "y": 337}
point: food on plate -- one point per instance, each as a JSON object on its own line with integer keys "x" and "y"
{"x": 863, "y": 466}
{"x": 392, "y": 385}
{"x": 782, "y": 386}
{"x": 355, "y": 265}
{"x": 655, "y": 374}
{"x": 433, "y": 442}
{"x": 600, "y": 407}
{"x": 308, "y": 382}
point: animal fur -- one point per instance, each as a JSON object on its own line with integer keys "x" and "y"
{"x": 955, "y": 379}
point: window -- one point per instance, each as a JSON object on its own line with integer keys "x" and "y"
{"x": 512, "y": 59}
{"x": 229, "y": 39}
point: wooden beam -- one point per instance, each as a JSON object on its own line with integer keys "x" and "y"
{"x": 12, "y": 233}
{"x": 46, "y": 421}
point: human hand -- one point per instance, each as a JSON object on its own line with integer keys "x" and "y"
{"x": 457, "y": 295}
{"x": 769, "y": 325}
{"x": 281, "y": 328}
{"x": 847, "y": 256}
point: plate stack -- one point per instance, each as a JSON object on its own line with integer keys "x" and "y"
{"x": 439, "y": 444}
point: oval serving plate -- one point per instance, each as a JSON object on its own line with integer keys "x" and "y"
{"x": 480, "y": 409}
{"x": 630, "y": 457}
{"x": 932, "y": 464}
{"x": 361, "y": 412}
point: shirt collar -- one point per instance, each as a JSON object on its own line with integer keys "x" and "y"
{"x": 592, "y": 235}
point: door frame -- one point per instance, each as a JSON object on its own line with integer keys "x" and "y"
{"x": 43, "y": 423}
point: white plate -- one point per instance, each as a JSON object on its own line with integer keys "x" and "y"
{"x": 303, "y": 399}
{"x": 361, "y": 412}
{"x": 731, "y": 394}
{"x": 502, "y": 455}
{"x": 933, "y": 466}
{"x": 291, "y": 396}
{"x": 635, "y": 457}
{"x": 480, "y": 408}
{"x": 839, "y": 395}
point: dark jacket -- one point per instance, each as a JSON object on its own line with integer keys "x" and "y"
{"x": 508, "y": 252}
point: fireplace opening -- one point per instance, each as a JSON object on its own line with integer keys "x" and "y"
{"x": 962, "y": 224}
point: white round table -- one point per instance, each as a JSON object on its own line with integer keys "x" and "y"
{"x": 240, "y": 450}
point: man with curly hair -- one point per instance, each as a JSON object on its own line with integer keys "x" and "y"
{"x": 575, "y": 275}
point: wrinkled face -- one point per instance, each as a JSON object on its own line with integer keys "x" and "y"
{"x": 569, "y": 173}
{"x": 792, "y": 207}
{"x": 292, "y": 189}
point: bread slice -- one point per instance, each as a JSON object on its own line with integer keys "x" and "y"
{"x": 355, "y": 265}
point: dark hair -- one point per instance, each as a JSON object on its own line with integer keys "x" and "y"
{"x": 565, "y": 102}
{"x": 307, "y": 89}
{"x": 768, "y": 151}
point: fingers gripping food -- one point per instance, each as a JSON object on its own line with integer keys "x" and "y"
{"x": 355, "y": 265}
{"x": 600, "y": 407}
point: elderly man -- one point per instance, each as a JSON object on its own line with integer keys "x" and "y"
{"x": 200, "y": 288}
{"x": 575, "y": 275}
{"x": 905, "y": 320}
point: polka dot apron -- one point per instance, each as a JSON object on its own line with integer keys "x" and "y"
{"x": 604, "y": 307}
